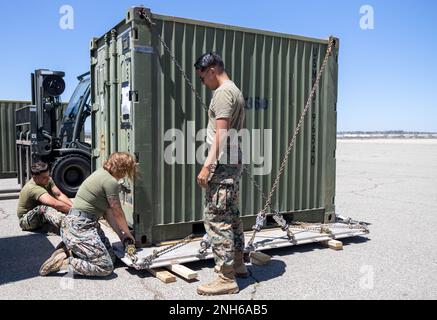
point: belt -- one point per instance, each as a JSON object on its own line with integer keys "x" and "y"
{"x": 82, "y": 214}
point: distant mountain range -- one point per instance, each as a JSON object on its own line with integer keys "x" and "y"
{"x": 390, "y": 134}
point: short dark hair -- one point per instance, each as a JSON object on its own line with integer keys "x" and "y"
{"x": 39, "y": 167}
{"x": 209, "y": 59}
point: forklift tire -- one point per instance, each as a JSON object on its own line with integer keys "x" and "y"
{"x": 69, "y": 172}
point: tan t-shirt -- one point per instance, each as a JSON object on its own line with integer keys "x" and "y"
{"x": 227, "y": 102}
{"x": 30, "y": 194}
{"x": 94, "y": 191}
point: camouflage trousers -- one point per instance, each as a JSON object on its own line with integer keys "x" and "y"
{"x": 92, "y": 253}
{"x": 39, "y": 216}
{"x": 222, "y": 216}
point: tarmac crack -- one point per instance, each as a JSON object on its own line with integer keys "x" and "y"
{"x": 156, "y": 294}
{"x": 375, "y": 186}
{"x": 394, "y": 200}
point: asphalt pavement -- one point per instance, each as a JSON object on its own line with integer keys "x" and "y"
{"x": 390, "y": 183}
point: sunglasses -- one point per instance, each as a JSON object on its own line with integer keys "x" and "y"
{"x": 206, "y": 72}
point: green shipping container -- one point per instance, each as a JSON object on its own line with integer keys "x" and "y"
{"x": 138, "y": 94}
{"x": 8, "y": 166}
{"x": 8, "y": 146}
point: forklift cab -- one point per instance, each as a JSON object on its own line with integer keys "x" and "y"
{"x": 76, "y": 121}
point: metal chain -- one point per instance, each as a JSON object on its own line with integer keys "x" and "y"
{"x": 322, "y": 227}
{"x": 144, "y": 14}
{"x": 257, "y": 186}
{"x": 267, "y": 199}
{"x": 147, "y": 262}
{"x": 299, "y": 125}
{"x": 262, "y": 214}
{"x": 190, "y": 84}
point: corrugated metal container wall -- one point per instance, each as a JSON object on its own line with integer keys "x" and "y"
{"x": 8, "y": 166}
{"x": 275, "y": 73}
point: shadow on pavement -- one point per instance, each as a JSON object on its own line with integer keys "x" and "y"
{"x": 79, "y": 277}
{"x": 22, "y": 256}
{"x": 354, "y": 240}
{"x": 276, "y": 268}
{"x": 257, "y": 274}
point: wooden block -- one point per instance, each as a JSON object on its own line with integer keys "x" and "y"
{"x": 183, "y": 271}
{"x": 333, "y": 244}
{"x": 163, "y": 275}
{"x": 259, "y": 258}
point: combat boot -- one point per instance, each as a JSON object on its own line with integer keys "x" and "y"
{"x": 224, "y": 284}
{"x": 240, "y": 269}
{"x": 239, "y": 266}
{"x": 57, "y": 261}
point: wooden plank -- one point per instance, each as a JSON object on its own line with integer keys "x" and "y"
{"x": 269, "y": 239}
{"x": 183, "y": 271}
{"x": 163, "y": 275}
{"x": 333, "y": 244}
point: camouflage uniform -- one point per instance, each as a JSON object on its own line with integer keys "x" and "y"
{"x": 92, "y": 251}
{"x": 222, "y": 216}
{"x": 39, "y": 216}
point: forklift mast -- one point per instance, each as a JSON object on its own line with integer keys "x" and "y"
{"x": 45, "y": 133}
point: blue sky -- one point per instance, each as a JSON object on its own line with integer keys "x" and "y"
{"x": 387, "y": 76}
